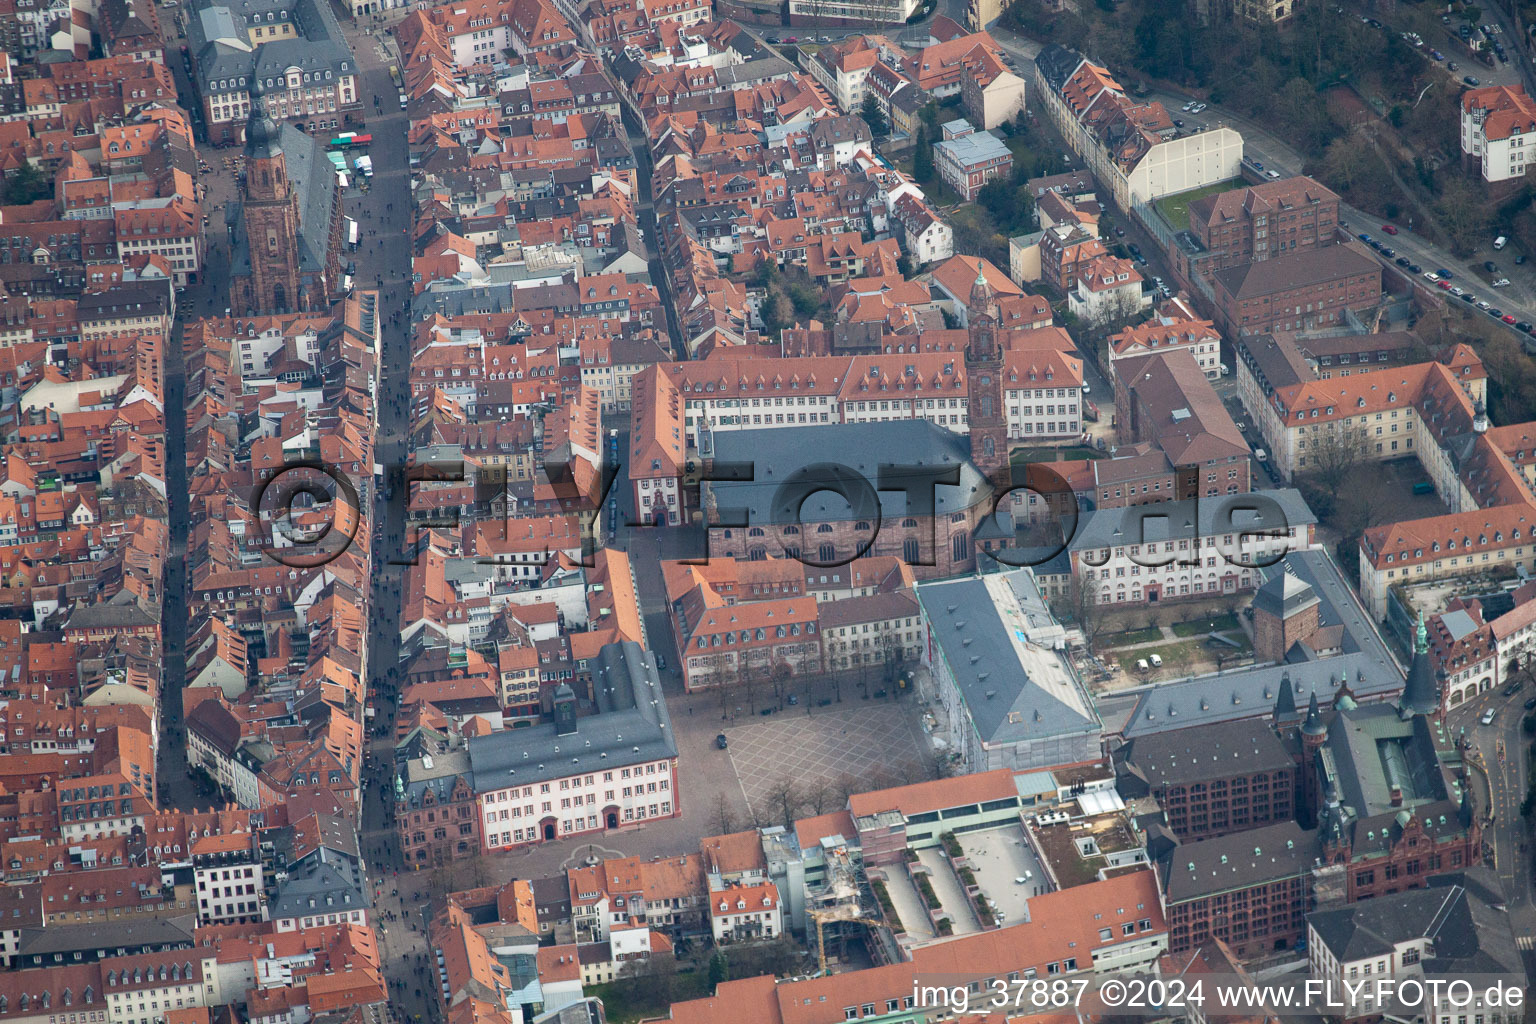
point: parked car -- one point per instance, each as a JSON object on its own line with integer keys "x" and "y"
{"x": 1507, "y": 318}
{"x": 1364, "y": 237}
{"x": 1452, "y": 66}
{"x": 1430, "y": 275}
{"x": 1272, "y": 175}
{"x": 1468, "y": 297}
{"x": 1197, "y": 108}
{"x": 1471, "y": 80}
{"x": 1186, "y": 108}
{"x": 1490, "y": 266}
{"x": 1437, "y": 55}
{"x": 720, "y": 741}
{"x": 1414, "y": 268}
{"x": 1119, "y": 232}
{"x": 1177, "y": 123}
{"x": 1530, "y": 705}
{"x": 1523, "y": 325}
{"x": 1402, "y": 261}
{"x": 1388, "y": 251}
{"x": 1485, "y": 305}
{"x": 1444, "y": 273}
{"x": 1458, "y": 292}
{"x": 1389, "y": 229}
{"x": 1443, "y": 284}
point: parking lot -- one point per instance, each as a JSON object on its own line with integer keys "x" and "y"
{"x": 868, "y": 746}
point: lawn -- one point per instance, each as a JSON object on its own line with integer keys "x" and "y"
{"x": 1130, "y": 636}
{"x": 1175, "y": 208}
{"x": 1207, "y": 624}
{"x": 1180, "y": 655}
{"x": 622, "y": 1006}
{"x": 1020, "y": 456}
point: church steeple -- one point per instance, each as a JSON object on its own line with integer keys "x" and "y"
{"x": 986, "y": 414}
{"x": 271, "y": 213}
{"x": 1421, "y": 696}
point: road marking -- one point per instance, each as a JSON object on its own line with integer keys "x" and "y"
{"x": 1526, "y": 942}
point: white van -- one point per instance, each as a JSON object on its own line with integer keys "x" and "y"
{"x": 1500, "y": 242}
{"x": 1141, "y": 665}
{"x": 1157, "y": 661}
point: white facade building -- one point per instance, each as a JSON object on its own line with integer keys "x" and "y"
{"x": 1498, "y": 127}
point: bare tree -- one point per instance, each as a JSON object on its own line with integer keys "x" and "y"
{"x": 845, "y": 786}
{"x": 725, "y": 817}
{"x": 784, "y": 796}
{"x": 816, "y": 796}
{"x": 1080, "y": 606}
{"x": 780, "y": 677}
{"x": 1333, "y": 455}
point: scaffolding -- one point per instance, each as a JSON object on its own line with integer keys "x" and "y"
{"x": 843, "y": 900}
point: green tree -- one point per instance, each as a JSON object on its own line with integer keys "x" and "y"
{"x": 922, "y": 157}
{"x": 871, "y": 115}
{"x": 26, "y": 185}
{"x": 719, "y": 969}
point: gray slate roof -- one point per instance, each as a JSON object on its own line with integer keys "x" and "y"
{"x": 1284, "y": 594}
{"x": 782, "y": 456}
{"x": 314, "y": 182}
{"x": 631, "y": 726}
{"x": 1365, "y": 664}
{"x": 1212, "y": 751}
{"x": 108, "y": 936}
{"x": 1371, "y": 749}
{"x": 1182, "y": 520}
{"x": 984, "y": 627}
{"x": 217, "y": 36}
{"x": 332, "y": 890}
{"x": 1456, "y": 913}
{"x": 1238, "y": 861}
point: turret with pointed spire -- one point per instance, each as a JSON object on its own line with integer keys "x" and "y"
{"x": 1285, "y": 703}
{"x": 1421, "y": 696}
{"x": 1314, "y": 726}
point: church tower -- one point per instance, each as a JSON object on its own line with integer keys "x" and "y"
{"x": 1421, "y": 693}
{"x": 987, "y": 416}
{"x": 271, "y": 211}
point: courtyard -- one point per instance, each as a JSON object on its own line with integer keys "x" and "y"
{"x": 809, "y": 759}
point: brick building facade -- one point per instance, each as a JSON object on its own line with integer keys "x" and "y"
{"x": 1306, "y": 290}
{"x": 1214, "y": 779}
{"x": 1277, "y": 218}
